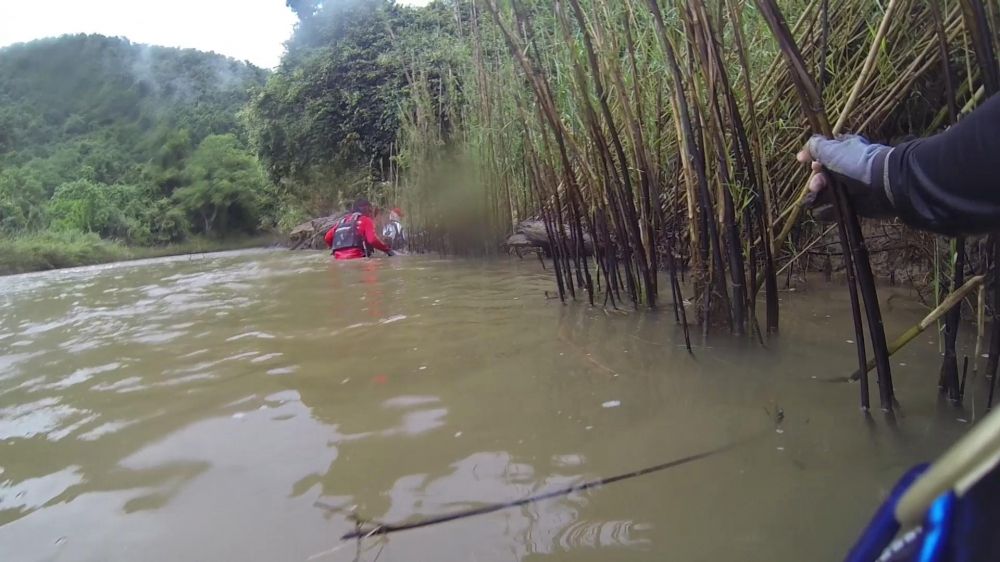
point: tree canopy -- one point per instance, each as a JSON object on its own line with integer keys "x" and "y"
{"x": 333, "y": 108}
{"x": 98, "y": 133}
{"x": 149, "y": 145}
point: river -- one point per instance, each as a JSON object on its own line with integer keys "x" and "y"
{"x": 242, "y": 406}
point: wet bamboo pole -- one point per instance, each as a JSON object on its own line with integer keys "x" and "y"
{"x": 863, "y": 78}
{"x": 628, "y": 193}
{"x": 853, "y": 242}
{"x": 754, "y": 153}
{"x": 948, "y": 380}
{"x": 949, "y": 302}
{"x": 975, "y": 18}
{"x": 693, "y": 152}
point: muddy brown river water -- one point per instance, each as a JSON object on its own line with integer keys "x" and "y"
{"x": 242, "y": 406}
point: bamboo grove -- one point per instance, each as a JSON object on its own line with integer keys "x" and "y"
{"x": 656, "y": 139}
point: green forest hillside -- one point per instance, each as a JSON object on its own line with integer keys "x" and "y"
{"x": 108, "y": 147}
{"x": 329, "y": 123}
{"x": 101, "y": 137}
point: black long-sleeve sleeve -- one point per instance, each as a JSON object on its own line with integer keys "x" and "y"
{"x": 950, "y": 183}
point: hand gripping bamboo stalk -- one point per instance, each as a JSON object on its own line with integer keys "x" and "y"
{"x": 866, "y": 72}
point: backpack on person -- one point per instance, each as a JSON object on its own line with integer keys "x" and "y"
{"x": 347, "y": 234}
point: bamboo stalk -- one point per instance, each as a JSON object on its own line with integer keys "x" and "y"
{"x": 845, "y": 113}
{"x": 947, "y": 304}
{"x": 693, "y": 151}
{"x": 764, "y": 204}
{"x": 856, "y": 253}
{"x": 718, "y": 86}
{"x": 976, "y": 23}
{"x": 949, "y": 382}
{"x": 619, "y": 151}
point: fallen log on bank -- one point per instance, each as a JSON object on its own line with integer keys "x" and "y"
{"x": 531, "y": 234}
{"x": 309, "y": 235}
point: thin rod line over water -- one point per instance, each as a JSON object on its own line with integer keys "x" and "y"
{"x": 385, "y": 529}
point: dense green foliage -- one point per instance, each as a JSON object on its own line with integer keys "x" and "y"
{"x": 326, "y": 125}
{"x": 103, "y": 139}
{"x": 130, "y": 142}
{"x": 70, "y": 248}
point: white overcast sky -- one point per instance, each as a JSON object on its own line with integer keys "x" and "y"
{"x": 252, "y": 30}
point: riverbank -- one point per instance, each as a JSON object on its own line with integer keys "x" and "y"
{"x": 59, "y": 250}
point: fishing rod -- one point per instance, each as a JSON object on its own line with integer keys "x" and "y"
{"x": 385, "y": 529}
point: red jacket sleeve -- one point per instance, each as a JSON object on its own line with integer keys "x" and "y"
{"x": 367, "y": 227}
{"x": 328, "y": 238}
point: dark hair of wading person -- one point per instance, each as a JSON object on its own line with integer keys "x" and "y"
{"x": 361, "y": 205}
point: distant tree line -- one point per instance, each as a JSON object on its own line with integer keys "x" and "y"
{"x": 327, "y": 124}
{"x": 149, "y": 145}
{"x": 137, "y": 143}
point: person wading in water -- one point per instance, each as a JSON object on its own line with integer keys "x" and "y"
{"x": 353, "y": 236}
{"x": 393, "y": 230}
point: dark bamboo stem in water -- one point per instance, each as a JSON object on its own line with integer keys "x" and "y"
{"x": 628, "y": 201}
{"x": 697, "y": 158}
{"x": 812, "y": 105}
{"x": 715, "y": 73}
{"x": 859, "y": 331}
{"x": 680, "y": 314}
{"x": 537, "y": 182}
{"x": 977, "y": 24}
{"x": 948, "y": 380}
{"x": 753, "y": 161}
{"x": 603, "y": 254}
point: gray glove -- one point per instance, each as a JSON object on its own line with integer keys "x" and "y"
{"x": 854, "y": 163}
